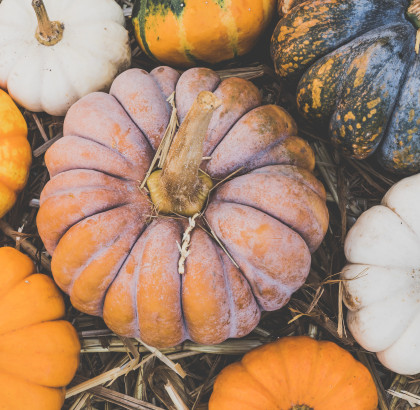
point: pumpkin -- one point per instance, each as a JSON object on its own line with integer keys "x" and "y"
{"x": 362, "y": 73}
{"x": 115, "y": 248}
{"x": 15, "y": 153}
{"x": 39, "y": 352}
{"x": 382, "y": 279}
{"x": 296, "y": 373}
{"x": 190, "y": 32}
{"x": 50, "y": 60}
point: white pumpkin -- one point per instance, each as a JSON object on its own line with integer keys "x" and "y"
{"x": 382, "y": 287}
{"x": 48, "y": 64}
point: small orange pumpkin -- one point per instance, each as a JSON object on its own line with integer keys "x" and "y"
{"x": 295, "y": 373}
{"x": 39, "y": 353}
{"x": 189, "y": 32}
{"x": 15, "y": 153}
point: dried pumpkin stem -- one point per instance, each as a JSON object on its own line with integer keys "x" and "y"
{"x": 301, "y": 407}
{"x": 48, "y": 32}
{"x": 180, "y": 187}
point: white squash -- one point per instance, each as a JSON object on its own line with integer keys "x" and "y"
{"x": 382, "y": 287}
{"x": 51, "y": 56}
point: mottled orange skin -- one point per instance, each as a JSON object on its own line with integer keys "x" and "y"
{"x": 117, "y": 259}
{"x": 203, "y": 31}
{"x": 295, "y": 371}
{"x": 15, "y": 153}
{"x": 39, "y": 352}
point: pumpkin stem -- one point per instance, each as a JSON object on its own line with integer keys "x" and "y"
{"x": 48, "y": 32}
{"x": 301, "y": 407}
{"x": 180, "y": 187}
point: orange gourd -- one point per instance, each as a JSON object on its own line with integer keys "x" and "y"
{"x": 295, "y": 373}
{"x": 39, "y": 352}
{"x": 115, "y": 248}
{"x": 15, "y": 153}
{"x": 191, "y": 32}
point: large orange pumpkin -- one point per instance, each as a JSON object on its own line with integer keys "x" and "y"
{"x": 115, "y": 250}
{"x": 295, "y": 373}
{"x": 15, "y": 153}
{"x": 39, "y": 352}
{"x": 189, "y": 32}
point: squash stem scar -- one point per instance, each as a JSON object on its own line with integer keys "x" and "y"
{"x": 48, "y": 32}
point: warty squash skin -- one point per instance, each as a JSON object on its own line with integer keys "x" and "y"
{"x": 295, "y": 373}
{"x": 15, "y": 153}
{"x": 189, "y": 32}
{"x": 83, "y": 51}
{"x": 359, "y": 72}
{"x": 118, "y": 259}
{"x": 382, "y": 278}
{"x": 39, "y": 352}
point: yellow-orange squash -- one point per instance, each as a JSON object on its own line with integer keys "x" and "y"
{"x": 39, "y": 352}
{"x": 188, "y": 32}
{"x": 118, "y": 257}
{"x": 295, "y": 373}
{"x": 15, "y": 153}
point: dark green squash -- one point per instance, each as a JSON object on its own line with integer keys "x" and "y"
{"x": 359, "y": 71}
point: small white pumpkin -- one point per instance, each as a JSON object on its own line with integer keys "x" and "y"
{"x": 382, "y": 281}
{"x": 50, "y": 60}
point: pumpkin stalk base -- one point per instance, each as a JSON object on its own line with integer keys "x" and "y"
{"x": 180, "y": 187}
{"x": 179, "y": 199}
{"x": 301, "y": 407}
{"x": 48, "y": 32}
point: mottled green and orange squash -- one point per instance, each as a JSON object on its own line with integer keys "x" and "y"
{"x": 359, "y": 71}
{"x": 115, "y": 248}
{"x": 185, "y": 33}
{"x": 39, "y": 352}
{"x": 295, "y": 373}
{"x": 15, "y": 153}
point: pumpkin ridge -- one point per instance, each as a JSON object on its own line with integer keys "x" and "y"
{"x": 249, "y": 109}
{"x": 99, "y": 251}
{"x": 261, "y": 385}
{"x": 352, "y": 49}
{"x": 120, "y": 154}
{"x": 103, "y": 249}
{"x": 261, "y": 170}
{"x": 7, "y": 181}
{"x": 62, "y": 68}
{"x": 256, "y": 272}
{"x": 291, "y": 227}
{"x": 230, "y": 26}
{"x": 356, "y": 305}
{"x": 233, "y": 323}
{"x": 343, "y": 379}
{"x": 416, "y": 234}
{"x": 395, "y": 150}
{"x": 409, "y": 315}
{"x": 134, "y": 290}
{"x": 404, "y": 78}
{"x": 146, "y": 137}
{"x": 140, "y": 14}
{"x": 347, "y": 135}
{"x": 86, "y": 217}
{"x": 11, "y": 289}
{"x": 9, "y": 374}
{"x": 236, "y": 331}
{"x": 309, "y": 8}
{"x": 97, "y": 185}
{"x": 185, "y": 330}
